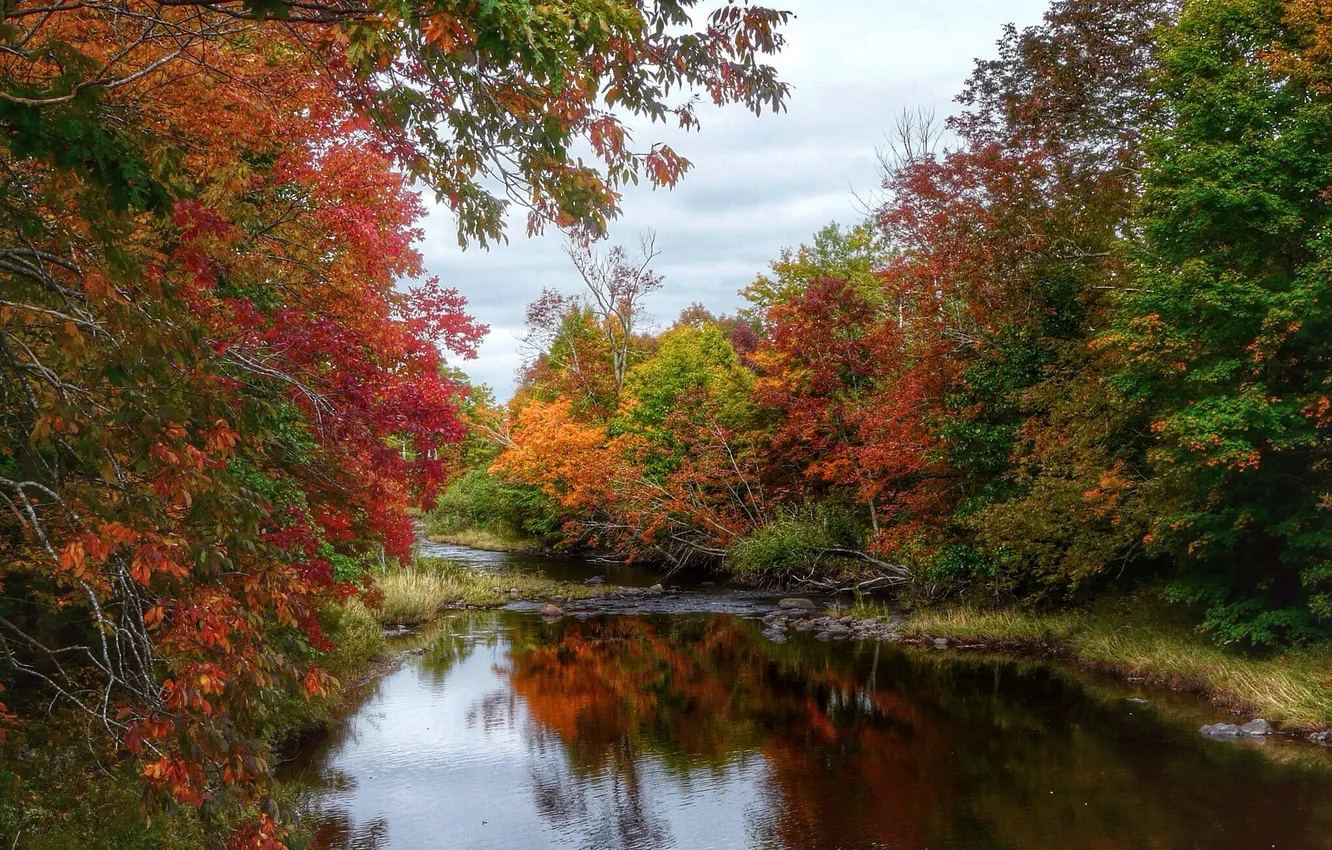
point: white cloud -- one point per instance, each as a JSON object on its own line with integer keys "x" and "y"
{"x": 758, "y": 184}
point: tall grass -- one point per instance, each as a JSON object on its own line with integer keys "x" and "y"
{"x": 1143, "y": 637}
{"x": 486, "y": 539}
{"x": 430, "y": 586}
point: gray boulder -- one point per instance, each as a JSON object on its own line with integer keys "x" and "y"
{"x": 1257, "y": 728}
{"x": 549, "y": 610}
{"x": 796, "y": 603}
{"x": 1223, "y": 731}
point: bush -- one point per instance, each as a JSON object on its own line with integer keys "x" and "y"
{"x": 798, "y": 540}
{"x": 480, "y": 500}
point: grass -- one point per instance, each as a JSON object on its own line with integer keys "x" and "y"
{"x": 1140, "y": 636}
{"x": 488, "y": 540}
{"x": 431, "y": 586}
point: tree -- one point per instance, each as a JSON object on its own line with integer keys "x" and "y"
{"x": 617, "y": 287}
{"x": 690, "y": 363}
{"x": 1007, "y": 257}
{"x": 218, "y": 403}
{"x": 466, "y": 99}
{"x": 1225, "y": 342}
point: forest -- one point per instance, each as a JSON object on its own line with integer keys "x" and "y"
{"x": 1072, "y": 348}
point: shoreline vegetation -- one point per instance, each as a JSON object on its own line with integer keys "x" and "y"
{"x": 1144, "y": 640}
{"x": 488, "y": 541}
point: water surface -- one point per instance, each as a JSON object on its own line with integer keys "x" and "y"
{"x": 692, "y": 731}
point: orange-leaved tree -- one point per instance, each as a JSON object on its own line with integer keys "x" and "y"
{"x": 218, "y": 401}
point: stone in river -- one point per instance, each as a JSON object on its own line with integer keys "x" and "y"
{"x": 549, "y": 610}
{"x": 838, "y": 629}
{"x": 795, "y": 603}
{"x": 941, "y": 643}
{"x": 1257, "y": 728}
{"x": 595, "y": 580}
{"x": 1222, "y": 730}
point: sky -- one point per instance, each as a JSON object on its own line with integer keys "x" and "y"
{"x": 758, "y": 185}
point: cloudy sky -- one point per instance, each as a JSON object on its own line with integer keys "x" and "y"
{"x": 758, "y": 184}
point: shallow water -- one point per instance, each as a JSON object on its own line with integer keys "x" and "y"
{"x": 692, "y": 731}
{"x": 553, "y": 567}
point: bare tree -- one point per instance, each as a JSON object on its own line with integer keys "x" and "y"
{"x": 914, "y": 137}
{"x": 617, "y": 285}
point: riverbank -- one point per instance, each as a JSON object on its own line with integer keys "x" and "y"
{"x": 429, "y": 587}
{"x": 1143, "y": 639}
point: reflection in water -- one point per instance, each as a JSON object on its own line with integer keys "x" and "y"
{"x": 694, "y": 732}
{"x": 557, "y": 567}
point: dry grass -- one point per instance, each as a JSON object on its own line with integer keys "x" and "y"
{"x": 1294, "y": 688}
{"x": 487, "y": 540}
{"x": 431, "y": 586}
{"x": 1139, "y": 636}
{"x": 964, "y": 624}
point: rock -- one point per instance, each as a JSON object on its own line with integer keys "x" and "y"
{"x": 941, "y": 643}
{"x": 824, "y": 636}
{"x": 774, "y": 616}
{"x": 549, "y": 610}
{"x": 595, "y": 580}
{"x": 1138, "y": 700}
{"x": 774, "y": 635}
{"x": 1257, "y": 728}
{"x": 1324, "y": 738}
{"x": 795, "y": 603}
{"x": 656, "y": 588}
{"x": 1223, "y": 731}
{"x": 513, "y": 591}
{"x": 418, "y": 651}
{"x": 870, "y": 622}
{"x": 848, "y": 621}
{"x": 838, "y": 629}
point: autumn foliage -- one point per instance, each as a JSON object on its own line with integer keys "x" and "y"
{"x": 220, "y": 361}
{"x": 1080, "y": 345}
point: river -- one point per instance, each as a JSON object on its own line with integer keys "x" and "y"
{"x": 687, "y": 729}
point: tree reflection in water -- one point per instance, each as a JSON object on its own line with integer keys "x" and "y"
{"x": 879, "y": 746}
{"x": 694, "y": 732}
